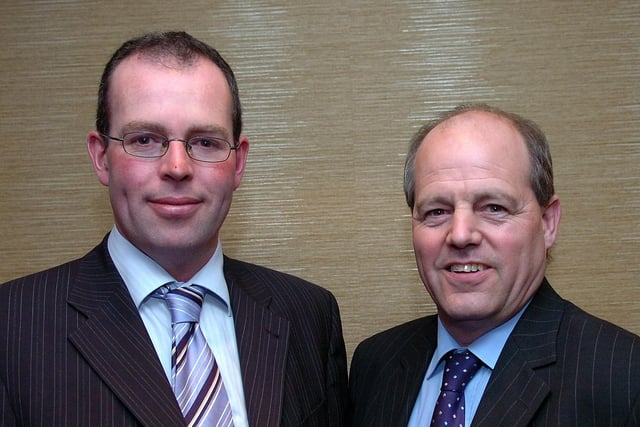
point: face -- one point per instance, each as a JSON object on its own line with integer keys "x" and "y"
{"x": 170, "y": 207}
{"x": 479, "y": 235}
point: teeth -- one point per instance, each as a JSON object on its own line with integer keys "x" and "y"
{"x": 466, "y": 268}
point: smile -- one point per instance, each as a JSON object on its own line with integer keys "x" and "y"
{"x": 466, "y": 268}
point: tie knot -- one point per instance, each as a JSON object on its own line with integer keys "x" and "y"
{"x": 184, "y": 303}
{"x": 459, "y": 368}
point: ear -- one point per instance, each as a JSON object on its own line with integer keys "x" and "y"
{"x": 97, "y": 147}
{"x": 551, "y": 221}
{"x": 242, "y": 153}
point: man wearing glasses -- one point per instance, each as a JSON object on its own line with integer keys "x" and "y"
{"x": 155, "y": 326}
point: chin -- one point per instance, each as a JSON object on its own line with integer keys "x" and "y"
{"x": 469, "y": 310}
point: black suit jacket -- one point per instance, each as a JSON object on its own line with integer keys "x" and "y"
{"x": 560, "y": 367}
{"x": 74, "y": 350}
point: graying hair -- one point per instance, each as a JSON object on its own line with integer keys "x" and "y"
{"x": 541, "y": 168}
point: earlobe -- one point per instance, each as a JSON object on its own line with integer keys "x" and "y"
{"x": 551, "y": 221}
{"x": 97, "y": 148}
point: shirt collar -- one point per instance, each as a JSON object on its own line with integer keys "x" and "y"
{"x": 142, "y": 275}
{"x": 487, "y": 347}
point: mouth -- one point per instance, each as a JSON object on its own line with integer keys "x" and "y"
{"x": 174, "y": 201}
{"x": 466, "y": 268}
{"x": 174, "y": 207}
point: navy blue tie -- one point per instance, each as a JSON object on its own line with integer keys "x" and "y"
{"x": 459, "y": 368}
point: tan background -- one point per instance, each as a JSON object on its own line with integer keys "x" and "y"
{"x": 333, "y": 91}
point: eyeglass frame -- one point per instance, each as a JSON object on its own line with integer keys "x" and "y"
{"x": 167, "y": 140}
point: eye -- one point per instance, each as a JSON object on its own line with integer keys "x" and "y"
{"x": 432, "y": 217}
{"x": 435, "y": 212}
{"x": 495, "y": 208}
{"x": 143, "y": 138}
{"x": 208, "y": 143}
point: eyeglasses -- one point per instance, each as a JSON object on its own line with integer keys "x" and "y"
{"x": 204, "y": 148}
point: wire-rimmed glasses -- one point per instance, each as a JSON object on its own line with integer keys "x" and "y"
{"x": 201, "y": 147}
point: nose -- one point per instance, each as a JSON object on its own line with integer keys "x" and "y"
{"x": 464, "y": 230}
{"x": 176, "y": 163}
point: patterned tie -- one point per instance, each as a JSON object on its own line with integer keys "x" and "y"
{"x": 459, "y": 368}
{"x": 197, "y": 383}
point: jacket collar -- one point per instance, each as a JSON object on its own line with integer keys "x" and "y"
{"x": 263, "y": 341}
{"x": 115, "y": 344}
{"x": 516, "y": 390}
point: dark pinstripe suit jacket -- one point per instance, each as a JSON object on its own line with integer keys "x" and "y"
{"x": 74, "y": 350}
{"x": 560, "y": 367}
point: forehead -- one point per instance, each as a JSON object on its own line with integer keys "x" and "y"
{"x": 143, "y": 89}
{"x": 151, "y": 65}
{"x": 474, "y": 144}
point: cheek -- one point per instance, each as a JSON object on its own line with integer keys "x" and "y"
{"x": 517, "y": 254}
{"x": 426, "y": 247}
{"x": 133, "y": 170}
{"x": 119, "y": 181}
{"x": 127, "y": 179}
{"x": 518, "y": 241}
{"x": 426, "y": 240}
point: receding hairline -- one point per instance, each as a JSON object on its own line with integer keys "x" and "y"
{"x": 450, "y": 121}
{"x": 166, "y": 60}
{"x": 481, "y": 119}
{"x": 535, "y": 142}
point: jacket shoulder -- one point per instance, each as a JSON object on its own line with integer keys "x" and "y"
{"x": 252, "y": 277}
{"x": 66, "y": 270}
{"x": 62, "y": 273}
{"x": 394, "y": 341}
{"x": 594, "y": 334}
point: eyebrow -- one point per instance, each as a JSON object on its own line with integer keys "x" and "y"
{"x": 135, "y": 126}
{"x": 480, "y": 197}
{"x": 500, "y": 197}
{"x": 138, "y": 125}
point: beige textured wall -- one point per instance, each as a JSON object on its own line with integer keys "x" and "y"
{"x": 333, "y": 91}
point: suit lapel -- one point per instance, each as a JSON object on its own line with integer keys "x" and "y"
{"x": 517, "y": 389}
{"x": 402, "y": 377}
{"x": 514, "y": 392}
{"x": 263, "y": 339}
{"x": 413, "y": 363}
{"x": 114, "y": 342}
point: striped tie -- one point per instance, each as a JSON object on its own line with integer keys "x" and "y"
{"x": 197, "y": 383}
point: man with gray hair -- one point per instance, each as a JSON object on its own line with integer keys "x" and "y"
{"x": 504, "y": 348}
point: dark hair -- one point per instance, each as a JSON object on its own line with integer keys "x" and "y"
{"x": 161, "y": 46}
{"x": 541, "y": 169}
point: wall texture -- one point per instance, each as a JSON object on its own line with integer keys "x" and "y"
{"x": 333, "y": 91}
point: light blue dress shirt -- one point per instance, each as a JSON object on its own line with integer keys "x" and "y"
{"x": 143, "y": 276}
{"x": 487, "y": 348}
